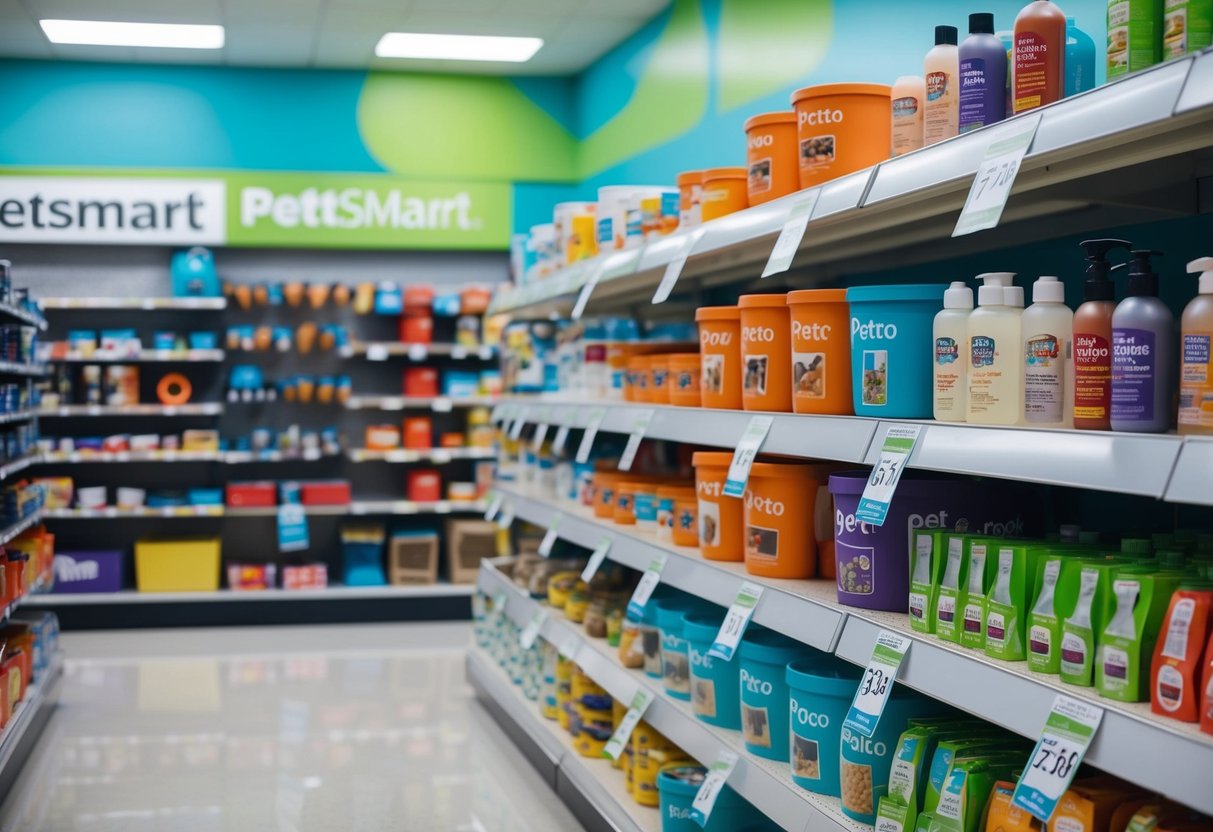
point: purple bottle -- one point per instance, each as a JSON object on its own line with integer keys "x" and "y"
{"x": 983, "y": 75}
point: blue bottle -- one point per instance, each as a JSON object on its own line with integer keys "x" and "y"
{"x": 1080, "y": 60}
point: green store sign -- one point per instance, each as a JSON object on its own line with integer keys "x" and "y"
{"x": 250, "y": 209}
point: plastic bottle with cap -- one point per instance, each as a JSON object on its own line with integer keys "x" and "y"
{"x": 983, "y": 75}
{"x": 1143, "y": 331}
{"x": 1093, "y": 338}
{"x": 1196, "y": 360}
{"x": 951, "y": 338}
{"x": 995, "y": 368}
{"x": 941, "y": 113}
{"x": 1048, "y": 332}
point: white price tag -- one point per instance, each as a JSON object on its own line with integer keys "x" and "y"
{"x": 638, "y": 428}
{"x": 526, "y": 640}
{"x": 648, "y": 583}
{"x": 441, "y": 404}
{"x": 541, "y": 433}
{"x": 996, "y": 176}
{"x": 619, "y": 740}
{"x": 712, "y": 785}
{"x": 497, "y": 414}
{"x": 418, "y": 352}
{"x": 459, "y": 352}
{"x": 743, "y": 457}
{"x": 549, "y": 539}
{"x": 674, "y": 269}
{"x": 877, "y": 682}
{"x": 792, "y": 234}
{"x": 899, "y": 443}
{"x": 494, "y": 506}
{"x": 499, "y": 602}
{"x": 588, "y": 289}
{"x": 519, "y": 424}
{"x": 736, "y": 621}
{"x": 376, "y": 352}
{"x": 485, "y": 353}
{"x": 587, "y": 438}
{"x": 561, "y": 438}
{"x": 1068, "y": 731}
{"x": 440, "y": 456}
{"x": 596, "y": 558}
{"x": 507, "y": 517}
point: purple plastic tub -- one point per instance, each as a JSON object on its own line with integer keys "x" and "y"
{"x": 873, "y": 562}
{"x": 99, "y": 571}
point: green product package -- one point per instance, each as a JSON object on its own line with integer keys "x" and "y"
{"x": 926, "y": 569}
{"x": 1007, "y": 601}
{"x": 968, "y": 787}
{"x": 1134, "y": 39}
{"x": 1187, "y": 26}
{"x": 1091, "y": 612}
{"x": 955, "y": 576}
{"x": 950, "y": 748}
{"x": 893, "y": 815}
{"x": 1056, "y": 593}
{"x": 972, "y": 599}
{"x": 1126, "y": 643}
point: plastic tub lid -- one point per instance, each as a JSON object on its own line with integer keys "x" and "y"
{"x": 717, "y": 313}
{"x": 711, "y": 458}
{"x": 841, "y": 89}
{"x": 725, "y": 173}
{"x": 690, "y": 177}
{"x": 763, "y": 645}
{"x": 824, "y": 675}
{"x": 785, "y": 469}
{"x": 910, "y": 291}
{"x": 669, "y": 611}
{"x": 817, "y": 296}
{"x": 702, "y": 626}
{"x": 753, "y": 301}
{"x": 683, "y": 779}
{"x": 764, "y": 119}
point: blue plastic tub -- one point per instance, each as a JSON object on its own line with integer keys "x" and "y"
{"x": 675, "y": 659}
{"x": 715, "y": 683}
{"x": 764, "y": 656}
{"x": 821, "y": 693}
{"x": 677, "y": 785}
{"x": 892, "y": 350}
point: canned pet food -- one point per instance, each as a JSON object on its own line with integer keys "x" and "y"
{"x": 821, "y": 694}
{"x": 766, "y": 350}
{"x": 780, "y": 530}
{"x": 764, "y": 656}
{"x": 842, "y": 128}
{"x": 774, "y": 169}
{"x": 821, "y": 351}
{"x": 720, "y": 356}
{"x": 720, "y": 517}
{"x": 724, "y": 191}
{"x": 684, "y": 379}
{"x": 715, "y": 683}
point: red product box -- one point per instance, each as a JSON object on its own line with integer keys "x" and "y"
{"x": 325, "y": 493}
{"x": 250, "y": 576}
{"x": 252, "y": 494}
{"x": 424, "y": 485}
{"x": 421, "y": 381}
{"x": 307, "y": 576}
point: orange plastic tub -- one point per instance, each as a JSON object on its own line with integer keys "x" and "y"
{"x": 638, "y": 378}
{"x": 821, "y": 351}
{"x": 604, "y": 494}
{"x": 659, "y": 379}
{"x": 724, "y": 191}
{"x": 690, "y": 197}
{"x": 720, "y": 356}
{"x": 842, "y": 128}
{"x": 686, "y": 519}
{"x": 774, "y": 168}
{"x": 720, "y": 517}
{"x": 766, "y": 353}
{"x": 624, "y": 513}
{"x": 780, "y": 519}
{"x": 684, "y": 379}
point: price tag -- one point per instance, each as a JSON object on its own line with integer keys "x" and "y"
{"x": 673, "y": 270}
{"x": 494, "y": 506}
{"x": 440, "y": 456}
{"x": 561, "y": 438}
{"x": 588, "y": 289}
{"x": 792, "y": 234}
{"x": 441, "y": 404}
{"x": 506, "y": 519}
{"x": 549, "y": 539}
{"x": 619, "y": 740}
{"x": 418, "y": 352}
{"x": 587, "y": 438}
{"x": 894, "y": 454}
{"x": 735, "y": 622}
{"x": 996, "y": 176}
{"x": 485, "y": 353}
{"x": 596, "y": 558}
{"x": 712, "y": 785}
{"x": 526, "y": 640}
{"x": 519, "y": 424}
{"x": 376, "y": 352}
{"x": 648, "y": 583}
{"x": 1068, "y": 731}
{"x": 877, "y": 683}
{"x": 638, "y": 428}
{"x": 743, "y": 457}
{"x": 541, "y": 433}
{"x": 570, "y": 647}
{"x": 499, "y": 602}
{"x": 292, "y": 528}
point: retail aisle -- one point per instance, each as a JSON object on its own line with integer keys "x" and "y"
{"x": 300, "y": 728}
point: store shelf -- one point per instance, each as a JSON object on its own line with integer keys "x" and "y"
{"x": 248, "y": 457}
{"x": 600, "y": 787}
{"x": 7, "y": 310}
{"x": 20, "y": 368}
{"x": 382, "y": 350}
{"x": 10, "y": 533}
{"x": 30, "y": 716}
{"x": 358, "y": 507}
{"x": 332, "y": 593}
{"x": 226, "y": 457}
{"x": 200, "y": 409}
{"x": 437, "y": 456}
{"x": 1192, "y": 480}
{"x": 18, "y": 416}
{"x": 115, "y": 513}
{"x": 17, "y": 465}
{"x": 1170, "y": 757}
{"x": 149, "y": 304}
{"x": 1083, "y": 171}
{"x": 439, "y": 404}
{"x": 398, "y": 507}
{"x": 167, "y": 356}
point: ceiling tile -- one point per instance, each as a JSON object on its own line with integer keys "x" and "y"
{"x": 144, "y": 11}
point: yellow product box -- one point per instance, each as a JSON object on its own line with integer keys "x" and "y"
{"x": 177, "y": 565}
{"x": 200, "y": 440}
{"x": 58, "y": 491}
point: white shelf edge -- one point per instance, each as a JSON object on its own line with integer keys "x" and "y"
{"x": 42, "y": 694}
{"x": 10, "y": 533}
{"x": 356, "y": 508}
{"x": 132, "y": 303}
{"x": 82, "y": 410}
{"x": 436, "y": 403}
{"x": 144, "y": 356}
{"x": 334, "y": 593}
{"x": 225, "y": 457}
{"x": 406, "y": 455}
{"x": 1192, "y": 479}
{"x": 396, "y": 349}
{"x": 19, "y": 416}
{"x": 22, "y": 368}
{"x": 18, "y": 465}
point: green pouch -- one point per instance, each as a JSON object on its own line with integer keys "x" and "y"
{"x": 926, "y": 569}
{"x": 972, "y": 599}
{"x": 1007, "y": 600}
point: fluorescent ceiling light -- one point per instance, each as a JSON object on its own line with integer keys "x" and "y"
{"x": 113, "y": 33}
{"x": 457, "y": 47}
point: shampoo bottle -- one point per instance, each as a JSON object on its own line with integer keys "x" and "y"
{"x": 941, "y": 115}
{"x": 995, "y": 369}
{"x": 951, "y": 333}
{"x": 1039, "y": 59}
{"x": 1196, "y": 360}
{"x": 909, "y": 95}
{"x": 983, "y": 75}
{"x": 1142, "y": 330}
{"x": 1080, "y": 60}
{"x": 1093, "y": 339}
{"x": 1048, "y": 330}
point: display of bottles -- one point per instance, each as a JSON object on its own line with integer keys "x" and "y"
{"x": 941, "y": 114}
{"x": 1079, "y": 61}
{"x": 951, "y": 335}
{"x": 1196, "y": 362}
{"x": 1048, "y": 330}
{"x": 1093, "y": 338}
{"x": 995, "y": 369}
{"x": 983, "y": 75}
{"x": 1142, "y": 353}
{"x": 909, "y": 96}
{"x": 1039, "y": 56}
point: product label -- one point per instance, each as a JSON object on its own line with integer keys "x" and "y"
{"x": 1040, "y": 640}
{"x": 1169, "y": 688}
{"x": 981, "y": 351}
{"x": 996, "y": 628}
{"x": 1044, "y": 378}
{"x": 918, "y": 605}
{"x": 1115, "y": 666}
{"x": 1175, "y": 29}
{"x": 947, "y": 351}
{"x": 973, "y": 94}
{"x": 1176, "y": 644}
{"x": 856, "y": 569}
{"x": 937, "y": 85}
{"x": 1031, "y": 75}
{"x": 1092, "y": 376}
{"x": 906, "y": 107}
{"x": 1073, "y": 653}
{"x": 1196, "y": 381}
{"x": 1133, "y": 374}
{"x": 939, "y": 111}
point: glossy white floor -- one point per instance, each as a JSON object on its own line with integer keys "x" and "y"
{"x": 289, "y": 729}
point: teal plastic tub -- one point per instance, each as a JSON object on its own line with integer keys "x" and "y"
{"x": 675, "y": 658}
{"x": 764, "y": 656}
{"x": 715, "y": 683}
{"x": 677, "y": 785}
{"x": 821, "y": 691}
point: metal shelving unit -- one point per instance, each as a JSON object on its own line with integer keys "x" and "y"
{"x": 10, "y": 533}
{"x": 29, "y": 718}
{"x": 357, "y": 507}
{"x": 438, "y": 456}
{"x": 7, "y": 310}
{"x": 438, "y": 404}
{"x": 143, "y": 356}
{"x": 18, "y": 465}
{"x": 19, "y": 368}
{"x": 383, "y": 350}
{"x": 73, "y": 410}
{"x": 148, "y": 304}
{"x": 332, "y": 593}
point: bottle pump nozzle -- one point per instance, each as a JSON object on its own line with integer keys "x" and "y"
{"x": 1098, "y": 286}
{"x": 1142, "y": 279}
{"x": 991, "y": 294}
{"x": 1204, "y": 267}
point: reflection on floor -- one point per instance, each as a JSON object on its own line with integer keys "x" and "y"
{"x": 286, "y": 729}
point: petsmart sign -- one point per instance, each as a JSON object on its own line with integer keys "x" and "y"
{"x": 249, "y": 209}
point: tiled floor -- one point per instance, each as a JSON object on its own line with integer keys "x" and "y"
{"x": 276, "y": 729}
